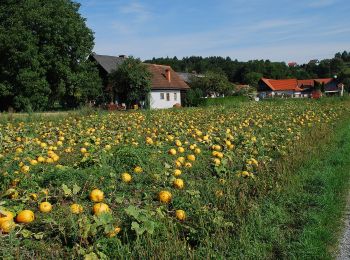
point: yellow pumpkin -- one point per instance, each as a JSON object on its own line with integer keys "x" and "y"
{"x": 76, "y": 208}
{"x": 178, "y": 184}
{"x": 100, "y": 208}
{"x": 177, "y": 172}
{"x": 96, "y": 195}
{"x": 126, "y": 177}
{"x": 114, "y": 232}
{"x": 25, "y": 216}
{"x": 164, "y": 196}
{"x": 180, "y": 214}
{"x": 7, "y": 226}
{"x": 45, "y": 207}
{"x": 5, "y": 216}
{"x": 138, "y": 169}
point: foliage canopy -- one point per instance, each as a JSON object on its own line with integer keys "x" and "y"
{"x": 213, "y": 83}
{"x": 131, "y": 81}
{"x": 44, "y": 46}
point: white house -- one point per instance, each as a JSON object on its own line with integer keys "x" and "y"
{"x": 165, "y": 98}
{"x": 167, "y": 87}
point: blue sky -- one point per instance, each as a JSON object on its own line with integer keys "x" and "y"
{"x": 279, "y": 30}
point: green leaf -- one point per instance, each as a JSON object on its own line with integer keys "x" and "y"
{"x": 133, "y": 212}
{"x": 39, "y": 236}
{"x": 26, "y": 233}
{"x": 76, "y": 189}
{"x": 91, "y": 256}
{"x": 119, "y": 200}
{"x": 149, "y": 226}
{"x": 195, "y": 193}
{"x": 108, "y": 228}
{"x": 104, "y": 219}
{"x": 102, "y": 256}
{"x": 167, "y": 165}
{"x": 160, "y": 212}
{"x": 136, "y": 227}
{"x": 93, "y": 229}
{"x": 67, "y": 191}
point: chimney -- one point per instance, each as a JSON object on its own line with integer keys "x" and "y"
{"x": 168, "y": 75}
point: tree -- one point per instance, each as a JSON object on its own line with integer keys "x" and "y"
{"x": 344, "y": 77}
{"x": 44, "y": 49}
{"x": 132, "y": 81}
{"x": 213, "y": 83}
{"x": 193, "y": 97}
{"x": 252, "y": 78}
{"x": 336, "y": 66}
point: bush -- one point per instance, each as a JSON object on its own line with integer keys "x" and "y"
{"x": 193, "y": 97}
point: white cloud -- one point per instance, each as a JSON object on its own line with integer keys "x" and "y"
{"x": 321, "y": 3}
{"x": 270, "y": 24}
{"x": 137, "y": 10}
{"x": 121, "y": 27}
{"x": 131, "y": 18}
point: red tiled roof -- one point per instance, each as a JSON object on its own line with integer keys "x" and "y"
{"x": 293, "y": 84}
{"x": 305, "y": 82}
{"x": 159, "y": 78}
{"x": 282, "y": 84}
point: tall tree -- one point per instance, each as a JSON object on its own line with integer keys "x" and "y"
{"x": 132, "y": 81}
{"x": 44, "y": 49}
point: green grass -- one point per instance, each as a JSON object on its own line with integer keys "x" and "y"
{"x": 223, "y": 101}
{"x": 302, "y": 220}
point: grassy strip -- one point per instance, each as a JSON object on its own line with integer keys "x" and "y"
{"x": 303, "y": 219}
{"x": 326, "y": 182}
{"x": 223, "y": 101}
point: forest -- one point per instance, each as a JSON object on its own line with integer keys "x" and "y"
{"x": 250, "y": 72}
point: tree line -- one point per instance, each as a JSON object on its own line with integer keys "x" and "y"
{"x": 250, "y": 72}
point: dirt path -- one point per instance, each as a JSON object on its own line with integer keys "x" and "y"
{"x": 344, "y": 247}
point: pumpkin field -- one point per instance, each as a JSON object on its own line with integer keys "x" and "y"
{"x": 176, "y": 183}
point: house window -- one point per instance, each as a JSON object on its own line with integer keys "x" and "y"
{"x": 161, "y": 95}
{"x": 167, "y": 96}
{"x": 175, "y": 96}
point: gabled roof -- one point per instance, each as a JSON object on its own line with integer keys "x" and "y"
{"x": 160, "y": 81}
{"x": 282, "y": 84}
{"x": 294, "y": 84}
{"x": 311, "y": 82}
{"x": 108, "y": 63}
{"x": 306, "y": 82}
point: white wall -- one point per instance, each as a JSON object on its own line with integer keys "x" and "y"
{"x": 157, "y": 102}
